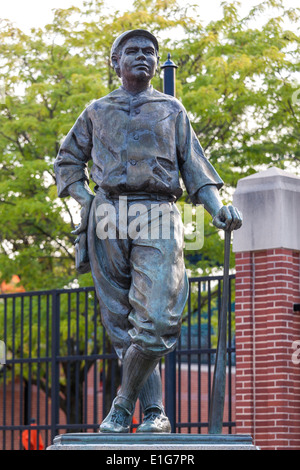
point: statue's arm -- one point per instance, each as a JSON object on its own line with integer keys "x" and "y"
{"x": 71, "y": 162}
{"x": 200, "y": 177}
{"x": 71, "y": 167}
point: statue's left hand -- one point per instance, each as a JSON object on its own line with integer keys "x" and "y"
{"x": 84, "y": 196}
{"x": 84, "y": 214}
{"x": 228, "y": 218}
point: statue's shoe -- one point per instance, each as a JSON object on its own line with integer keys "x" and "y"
{"x": 155, "y": 420}
{"x": 117, "y": 421}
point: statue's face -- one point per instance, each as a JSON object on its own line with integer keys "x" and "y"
{"x": 138, "y": 60}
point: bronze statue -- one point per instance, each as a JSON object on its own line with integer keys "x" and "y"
{"x": 139, "y": 140}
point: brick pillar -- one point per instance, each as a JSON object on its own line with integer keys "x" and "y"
{"x": 267, "y": 287}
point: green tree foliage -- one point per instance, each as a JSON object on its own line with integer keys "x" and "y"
{"x": 237, "y": 82}
{"x": 242, "y": 88}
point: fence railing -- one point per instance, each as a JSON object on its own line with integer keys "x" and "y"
{"x": 62, "y": 372}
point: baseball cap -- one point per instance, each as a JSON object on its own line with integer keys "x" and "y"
{"x": 129, "y": 34}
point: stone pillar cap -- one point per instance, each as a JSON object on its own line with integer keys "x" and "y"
{"x": 273, "y": 177}
{"x": 270, "y": 203}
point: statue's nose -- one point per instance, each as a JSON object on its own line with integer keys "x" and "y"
{"x": 140, "y": 55}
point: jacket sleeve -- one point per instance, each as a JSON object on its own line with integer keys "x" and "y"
{"x": 195, "y": 169}
{"x": 71, "y": 162}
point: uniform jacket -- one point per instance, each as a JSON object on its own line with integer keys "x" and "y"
{"x": 138, "y": 144}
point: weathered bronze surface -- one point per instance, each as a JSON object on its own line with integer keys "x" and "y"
{"x": 139, "y": 141}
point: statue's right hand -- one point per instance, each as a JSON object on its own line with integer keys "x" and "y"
{"x": 228, "y": 218}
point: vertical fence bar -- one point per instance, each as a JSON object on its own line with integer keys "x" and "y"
{"x": 21, "y": 369}
{"x": 38, "y": 366}
{"x": 189, "y": 357}
{"x": 229, "y": 355}
{"x": 199, "y": 354}
{"x": 103, "y": 374}
{"x": 54, "y": 364}
{"x": 96, "y": 378}
{"x": 169, "y": 69}
{"x": 13, "y": 370}
{"x": 86, "y": 311}
{"x": 68, "y": 391}
{"x": 47, "y": 368}
{"x": 209, "y": 345}
{"x": 4, "y": 376}
{"x": 179, "y": 384}
{"x": 77, "y": 363}
{"x": 29, "y": 382}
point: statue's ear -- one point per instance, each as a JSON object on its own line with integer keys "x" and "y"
{"x": 157, "y": 66}
{"x": 115, "y": 64}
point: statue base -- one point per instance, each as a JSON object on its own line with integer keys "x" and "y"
{"x": 151, "y": 442}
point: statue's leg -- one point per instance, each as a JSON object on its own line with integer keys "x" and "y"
{"x": 151, "y": 401}
{"x": 157, "y": 295}
{"x": 137, "y": 366}
{"x": 110, "y": 267}
{"x": 151, "y": 393}
{"x": 142, "y": 289}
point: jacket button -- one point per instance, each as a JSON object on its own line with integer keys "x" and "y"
{"x": 137, "y": 111}
{"x": 133, "y": 162}
{"x": 136, "y": 137}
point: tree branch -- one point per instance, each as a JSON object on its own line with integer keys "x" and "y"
{"x": 55, "y": 240}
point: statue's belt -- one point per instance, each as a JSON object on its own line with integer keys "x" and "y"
{"x": 143, "y": 196}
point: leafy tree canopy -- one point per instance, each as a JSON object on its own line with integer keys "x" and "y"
{"x": 238, "y": 82}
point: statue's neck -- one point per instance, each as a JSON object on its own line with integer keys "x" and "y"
{"x": 135, "y": 87}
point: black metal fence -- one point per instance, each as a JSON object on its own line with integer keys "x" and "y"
{"x": 62, "y": 372}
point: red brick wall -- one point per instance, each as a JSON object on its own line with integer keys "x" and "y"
{"x": 267, "y": 381}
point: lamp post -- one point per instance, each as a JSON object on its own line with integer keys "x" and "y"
{"x": 169, "y": 69}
